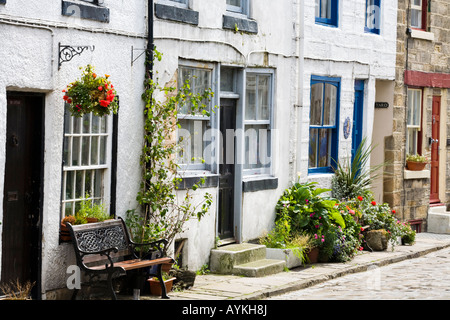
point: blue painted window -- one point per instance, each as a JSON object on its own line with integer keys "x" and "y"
{"x": 373, "y": 16}
{"x": 327, "y": 12}
{"x": 324, "y": 124}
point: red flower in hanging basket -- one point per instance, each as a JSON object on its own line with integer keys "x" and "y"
{"x": 88, "y": 95}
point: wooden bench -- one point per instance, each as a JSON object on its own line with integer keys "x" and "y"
{"x": 105, "y": 248}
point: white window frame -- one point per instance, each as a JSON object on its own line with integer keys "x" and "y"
{"x": 263, "y": 170}
{"x": 83, "y": 169}
{"x": 418, "y": 8}
{"x": 192, "y": 168}
{"x": 411, "y": 127}
{"x": 242, "y": 9}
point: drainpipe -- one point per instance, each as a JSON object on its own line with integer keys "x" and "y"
{"x": 150, "y": 44}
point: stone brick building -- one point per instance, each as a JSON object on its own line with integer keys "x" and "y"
{"x": 420, "y": 121}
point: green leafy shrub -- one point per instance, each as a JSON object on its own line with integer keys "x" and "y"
{"x": 311, "y": 213}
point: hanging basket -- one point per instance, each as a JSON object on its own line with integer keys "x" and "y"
{"x": 91, "y": 94}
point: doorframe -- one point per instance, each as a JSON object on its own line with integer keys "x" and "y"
{"x": 37, "y": 289}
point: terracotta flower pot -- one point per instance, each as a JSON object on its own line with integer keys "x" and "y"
{"x": 155, "y": 286}
{"x": 313, "y": 255}
{"x": 64, "y": 234}
{"x": 415, "y": 166}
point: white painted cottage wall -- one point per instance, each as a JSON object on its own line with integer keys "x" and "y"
{"x": 349, "y": 53}
{"x": 29, "y": 36}
{"x": 278, "y": 37}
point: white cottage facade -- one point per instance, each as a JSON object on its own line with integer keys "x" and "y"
{"x": 249, "y": 53}
{"x": 348, "y": 73}
{"x": 39, "y": 182}
{"x": 285, "y": 76}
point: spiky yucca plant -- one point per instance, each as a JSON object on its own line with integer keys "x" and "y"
{"x": 353, "y": 178}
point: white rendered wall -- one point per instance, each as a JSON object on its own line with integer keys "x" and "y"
{"x": 29, "y": 36}
{"x": 349, "y": 53}
{"x": 275, "y": 46}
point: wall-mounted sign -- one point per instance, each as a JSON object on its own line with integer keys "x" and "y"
{"x": 347, "y": 127}
{"x": 381, "y": 104}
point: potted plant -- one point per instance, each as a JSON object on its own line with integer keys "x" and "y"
{"x": 91, "y": 93}
{"x": 416, "y": 162}
{"x": 282, "y": 245}
{"x": 155, "y": 285}
{"x": 91, "y": 212}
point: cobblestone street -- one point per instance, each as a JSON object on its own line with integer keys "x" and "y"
{"x": 427, "y": 277}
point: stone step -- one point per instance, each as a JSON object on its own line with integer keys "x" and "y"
{"x": 438, "y": 220}
{"x": 260, "y": 268}
{"x": 243, "y": 259}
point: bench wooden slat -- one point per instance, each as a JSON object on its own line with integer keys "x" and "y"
{"x": 130, "y": 265}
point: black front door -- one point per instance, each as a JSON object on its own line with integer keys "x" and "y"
{"x": 226, "y": 168}
{"x": 22, "y": 199}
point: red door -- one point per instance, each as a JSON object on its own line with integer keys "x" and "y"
{"x": 435, "y": 119}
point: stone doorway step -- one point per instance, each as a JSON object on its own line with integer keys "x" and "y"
{"x": 244, "y": 259}
{"x": 438, "y": 220}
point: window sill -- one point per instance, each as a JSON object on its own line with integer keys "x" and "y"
{"x": 174, "y": 13}
{"x": 242, "y": 24}
{"x": 423, "y": 35}
{"x": 85, "y": 11}
{"x": 252, "y": 184}
{"x": 188, "y": 180}
{"x": 423, "y": 174}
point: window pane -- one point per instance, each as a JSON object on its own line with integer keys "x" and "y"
{"x": 96, "y": 124}
{"x": 416, "y": 18}
{"x": 411, "y": 142}
{"x": 198, "y": 81}
{"x": 257, "y": 147}
{"x": 75, "y": 151}
{"x": 316, "y": 104}
{"x": 414, "y": 103}
{"x": 317, "y": 8}
{"x": 250, "y": 105}
{"x": 329, "y": 117}
{"x": 88, "y": 182}
{"x": 69, "y": 185}
{"x": 66, "y": 151}
{"x": 417, "y": 2}
{"x": 103, "y": 125}
{"x": 94, "y": 150}
{"x": 263, "y": 97}
{"x": 226, "y": 79}
{"x": 102, "y": 150}
{"x": 324, "y": 147}
{"x": 76, "y": 125}
{"x": 85, "y": 151}
{"x": 236, "y": 3}
{"x": 313, "y": 148}
{"x": 192, "y": 142}
{"x": 79, "y": 192}
{"x": 69, "y": 209}
{"x": 325, "y": 11}
{"x": 67, "y": 121}
{"x": 86, "y": 123}
{"x": 98, "y": 183}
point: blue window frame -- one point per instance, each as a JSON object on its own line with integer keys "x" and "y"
{"x": 327, "y": 12}
{"x": 373, "y": 16}
{"x": 323, "y": 124}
